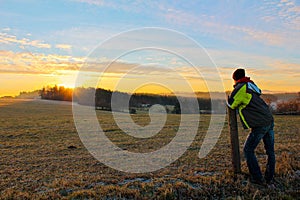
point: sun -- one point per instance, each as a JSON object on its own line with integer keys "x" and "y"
{"x": 67, "y": 85}
{"x": 66, "y": 81}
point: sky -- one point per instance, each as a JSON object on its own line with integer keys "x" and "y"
{"x": 148, "y": 46}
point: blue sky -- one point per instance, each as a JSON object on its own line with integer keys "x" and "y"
{"x": 41, "y": 40}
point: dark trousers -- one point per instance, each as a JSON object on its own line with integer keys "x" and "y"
{"x": 267, "y": 134}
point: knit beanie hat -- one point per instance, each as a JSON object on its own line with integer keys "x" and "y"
{"x": 238, "y": 74}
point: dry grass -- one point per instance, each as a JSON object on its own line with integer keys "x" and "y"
{"x": 36, "y": 162}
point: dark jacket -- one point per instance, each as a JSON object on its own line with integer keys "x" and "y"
{"x": 253, "y": 111}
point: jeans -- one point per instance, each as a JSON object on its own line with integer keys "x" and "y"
{"x": 267, "y": 134}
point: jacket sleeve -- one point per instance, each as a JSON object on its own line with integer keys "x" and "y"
{"x": 239, "y": 97}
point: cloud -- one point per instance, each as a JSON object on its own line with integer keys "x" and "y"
{"x": 6, "y": 29}
{"x": 128, "y": 6}
{"x": 273, "y": 72}
{"x": 28, "y": 63}
{"x": 284, "y": 14}
{"x": 290, "y": 13}
{"x": 82, "y": 39}
{"x": 286, "y": 68}
{"x": 11, "y": 39}
{"x": 265, "y": 23}
{"x": 93, "y": 2}
{"x": 205, "y": 23}
{"x": 63, "y": 46}
{"x": 259, "y": 36}
{"x": 267, "y": 71}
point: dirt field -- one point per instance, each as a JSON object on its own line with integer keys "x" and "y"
{"x": 42, "y": 157}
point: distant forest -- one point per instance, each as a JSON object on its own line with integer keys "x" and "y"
{"x": 137, "y": 100}
{"x": 103, "y": 97}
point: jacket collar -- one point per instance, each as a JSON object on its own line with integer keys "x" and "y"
{"x": 243, "y": 80}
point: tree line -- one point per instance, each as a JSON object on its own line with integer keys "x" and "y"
{"x": 102, "y": 99}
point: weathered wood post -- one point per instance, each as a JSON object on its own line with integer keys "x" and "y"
{"x": 234, "y": 138}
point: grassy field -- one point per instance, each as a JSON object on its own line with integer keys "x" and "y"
{"x": 42, "y": 157}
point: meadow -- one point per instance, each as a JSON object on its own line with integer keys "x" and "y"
{"x": 42, "y": 157}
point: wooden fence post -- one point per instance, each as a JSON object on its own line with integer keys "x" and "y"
{"x": 234, "y": 138}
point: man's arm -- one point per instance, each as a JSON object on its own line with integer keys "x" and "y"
{"x": 239, "y": 97}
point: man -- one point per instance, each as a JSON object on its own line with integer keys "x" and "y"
{"x": 254, "y": 114}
